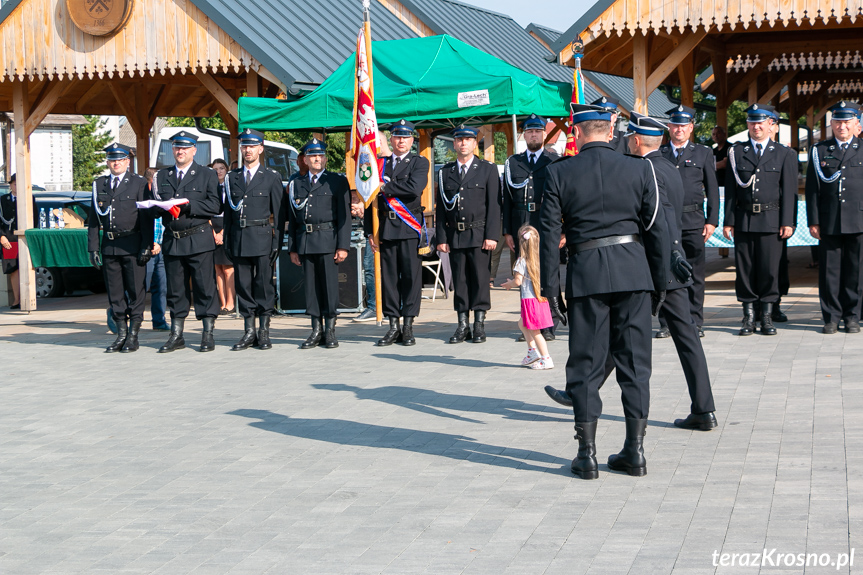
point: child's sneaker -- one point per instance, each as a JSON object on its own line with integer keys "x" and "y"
{"x": 542, "y": 363}
{"x": 532, "y": 356}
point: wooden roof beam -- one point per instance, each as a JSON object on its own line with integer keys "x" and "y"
{"x": 828, "y": 102}
{"x": 777, "y": 86}
{"x": 686, "y": 46}
{"x": 124, "y": 102}
{"x": 738, "y": 85}
{"x": 88, "y": 96}
{"x": 221, "y": 95}
{"x": 46, "y": 103}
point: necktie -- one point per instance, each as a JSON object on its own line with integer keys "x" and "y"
{"x": 463, "y": 171}
{"x": 395, "y": 162}
{"x": 248, "y": 176}
{"x": 114, "y": 183}
{"x": 843, "y": 146}
{"x": 758, "y": 150}
{"x": 179, "y": 176}
{"x": 532, "y": 161}
{"x": 676, "y": 153}
{"x": 314, "y": 179}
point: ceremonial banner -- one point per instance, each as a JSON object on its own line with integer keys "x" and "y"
{"x": 577, "y": 96}
{"x": 364, "y": 132}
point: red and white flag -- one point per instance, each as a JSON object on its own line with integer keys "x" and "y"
{"x": 365, "y": 129}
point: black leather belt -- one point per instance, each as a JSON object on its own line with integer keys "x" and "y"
{"x": 119, "y": 234}
{"x": 530, "y": 207}
{"x": 461, "y": 226}
{"x": 605, "y": 242}
{"x": 318, "y": 227}
{"x": 758, "y": 208}
{"x": 693, "y": 208}
{"x": 246, "y": 223}
{"x": 190, "y": 231}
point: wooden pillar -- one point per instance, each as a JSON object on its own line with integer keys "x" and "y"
{"x": 488, "y": 138}
{"x": 640, "y": 71}
{"x": 253, "y": 84}
{"x": 810, "y": 122}
{"x": 793, "y": 115}
{"x": 720, "y": 75}
{"x": 427, "y": 151}
{"x": 26, "y": 275}
{"x": 686, "y": 73}
{"x": 823, "y": 128}
{"x": 753, "y": 92}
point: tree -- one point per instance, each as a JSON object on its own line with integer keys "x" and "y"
{"x": 88, "y": 158}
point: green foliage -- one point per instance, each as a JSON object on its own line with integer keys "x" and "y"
{"x": 214, "y": 123}
{"x": 443, "y": 152}
{"x": 500, "y": 148}
{"x": 88, "y": 159}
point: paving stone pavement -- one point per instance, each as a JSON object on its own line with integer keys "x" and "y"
{"x": 432, "y": 459}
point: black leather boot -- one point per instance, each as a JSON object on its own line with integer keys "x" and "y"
{"x": 330, "y": 341}
{"x": 207, "y": 341}
{"x": 122, "y": 334}
{"x": 547, "y": 334}
{"x": 631, "y": 458}
{"x": 462, "y": 332}
{"x": 777, "y": 315}
{"x": 314, "y": 338}
{"x": 748, "y": 327}
{"x": 175, "y": 340}
{"x": 132, "y": 340}
{"x": 767, "y": 327}
{"x": 584, "y": 465}
{"x": 479, "y": 326}
{"x": 264, "y": 332}
{"x": 249, "y": 338}
{"x": 392, "y": 334}
{"x": 408, "y": 332}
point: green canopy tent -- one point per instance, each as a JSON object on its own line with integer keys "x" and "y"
{"x": 435, "y": 82}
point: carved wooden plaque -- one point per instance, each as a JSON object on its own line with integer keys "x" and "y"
{"x": 99, "y": 17}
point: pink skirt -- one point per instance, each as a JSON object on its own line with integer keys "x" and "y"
{"x": 535, "y": 314}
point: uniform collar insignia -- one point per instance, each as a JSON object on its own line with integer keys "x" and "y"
{"x": 746, "y": 149}
{"x": 171, "y": 173}
{"x": 192, "y": 173}
{"x": 831, "y": 148}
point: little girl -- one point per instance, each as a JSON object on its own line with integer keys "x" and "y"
{"x": 535, "y": 313}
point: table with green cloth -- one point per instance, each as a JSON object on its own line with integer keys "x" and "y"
{"x": 66, "y": 248}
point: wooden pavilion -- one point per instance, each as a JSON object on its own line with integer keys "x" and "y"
{"x": 134, "y": 58}
{"x": 799, "y": 55}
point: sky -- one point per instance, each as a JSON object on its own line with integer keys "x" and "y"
{"x": 556, "y": 14}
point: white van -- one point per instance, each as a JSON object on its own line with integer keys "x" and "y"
{"x": 278, "y": 156}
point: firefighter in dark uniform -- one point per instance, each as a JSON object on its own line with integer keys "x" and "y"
{"x": 760, "y": 201}
{"x": 254, "y": 231}
{"x": 523, "y": 181}
{"x": 834, "y": 198}
{"x": 126, "y": 246}
{"x": 319, "y": 226}
{"x": 188, "y": 242}
{"x": 402, "y": 225}
{"x": 696, "y": 165}
{"x": 615, "y": 278}
{"x": 618, "y": 142}
{"x": 468, "y": 226}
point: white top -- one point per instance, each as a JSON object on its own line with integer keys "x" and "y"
{"x": 520, "y": 267}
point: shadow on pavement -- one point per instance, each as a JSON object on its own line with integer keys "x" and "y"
{"x": 432, "y": 402}
{"x": 457, "y": 447}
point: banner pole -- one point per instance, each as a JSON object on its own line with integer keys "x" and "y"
{"x": 367, "y": 26}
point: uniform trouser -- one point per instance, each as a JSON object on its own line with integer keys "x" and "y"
{"x": 684, "y": 334}
{"x": 322, "y": 284}
{"x": 693, "y": 249}
{"x": 470, "y": 272}
{"x": 616, "y": 323}
{"x": 784, "y": 278}
{"x": 125, "y": 278}
{"x": 157, "y": 288}
{"x": 757, "y": 256}
{"x": 369, "y": 276}
{"x": 201, "y": 272}
{"x": 256, "y": 288}
{"x": 401, "y": 278}
{"x": 839, "y": 282}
